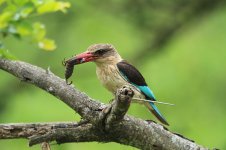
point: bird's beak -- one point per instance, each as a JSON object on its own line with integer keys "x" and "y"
{"x": 84, "y": 57}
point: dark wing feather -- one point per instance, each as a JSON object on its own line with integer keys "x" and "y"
{"x": 133, "y": 76}
{"x": 131, "y": 73}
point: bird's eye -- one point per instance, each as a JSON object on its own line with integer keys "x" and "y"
{"x": 100, "y": 51}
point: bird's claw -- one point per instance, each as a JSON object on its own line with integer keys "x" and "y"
{"x": 64, "y": 62}
{"x": 69, "y": 83}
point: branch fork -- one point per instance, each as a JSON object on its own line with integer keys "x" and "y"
{"x": 111, "y": 115}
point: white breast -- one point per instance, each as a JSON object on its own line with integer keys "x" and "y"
{"x": 110, "y": 77}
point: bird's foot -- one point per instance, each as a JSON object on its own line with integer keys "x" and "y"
{"x": 64, "y": 62}
{"x": 69, "y": 83}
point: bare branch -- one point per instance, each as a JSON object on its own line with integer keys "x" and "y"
{"x": 115, "y": 126}
{"x": 23, "y": 130}
{"x": 82, "y": 133}
{"x": 46, "y": 132}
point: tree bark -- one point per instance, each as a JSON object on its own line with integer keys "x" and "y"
{"x": 101, "y": 123}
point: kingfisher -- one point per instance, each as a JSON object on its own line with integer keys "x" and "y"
{"x": 114, "y": 73}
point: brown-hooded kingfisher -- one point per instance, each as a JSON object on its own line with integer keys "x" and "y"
{"x": 114, "y": 72}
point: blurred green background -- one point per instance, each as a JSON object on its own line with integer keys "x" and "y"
{"x": 180, "y": 48}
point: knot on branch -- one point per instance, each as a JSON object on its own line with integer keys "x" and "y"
{"x": 117, "y": 110}
{"x": 124, "y": 95}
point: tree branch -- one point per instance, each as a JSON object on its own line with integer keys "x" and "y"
{"x": 81, "y": 133}
{"x": 23, "y": 130}
{"x": 99, "y": 125}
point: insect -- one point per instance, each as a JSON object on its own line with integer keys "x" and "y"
{"x": 69, "y": 64}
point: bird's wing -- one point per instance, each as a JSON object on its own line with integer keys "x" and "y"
{"x": 133, "y": 76}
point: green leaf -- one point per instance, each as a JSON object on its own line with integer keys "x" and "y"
{"x": 14, "y": 16}
{"x": 24, "y": 28}
{"x": 6, "y": 54}
{"x": 26, "y": 9}
{"x": 52, "y": 6}
{"x": 47, "y": 44}
{"x": 4, "y": 19}
{"x": 39, "y": 31}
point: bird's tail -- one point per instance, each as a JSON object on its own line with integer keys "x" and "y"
{"x": 151, "y": 106}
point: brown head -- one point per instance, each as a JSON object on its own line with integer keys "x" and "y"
{"x": 99, "y": 53}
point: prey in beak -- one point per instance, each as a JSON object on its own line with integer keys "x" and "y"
{"x": 75, "y": 60}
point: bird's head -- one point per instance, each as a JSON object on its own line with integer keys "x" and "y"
{"x": 99, "y": 53}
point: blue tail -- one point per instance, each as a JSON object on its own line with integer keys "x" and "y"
{"x": 157, "y": 113}
{"x": 151, "y": 106}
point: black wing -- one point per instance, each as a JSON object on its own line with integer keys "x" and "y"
{"x": 131, "y": 73}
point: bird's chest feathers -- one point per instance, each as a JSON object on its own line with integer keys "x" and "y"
{"x": 110, "y": 77}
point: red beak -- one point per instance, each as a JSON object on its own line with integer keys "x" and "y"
{"x": 84, "y": 57}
